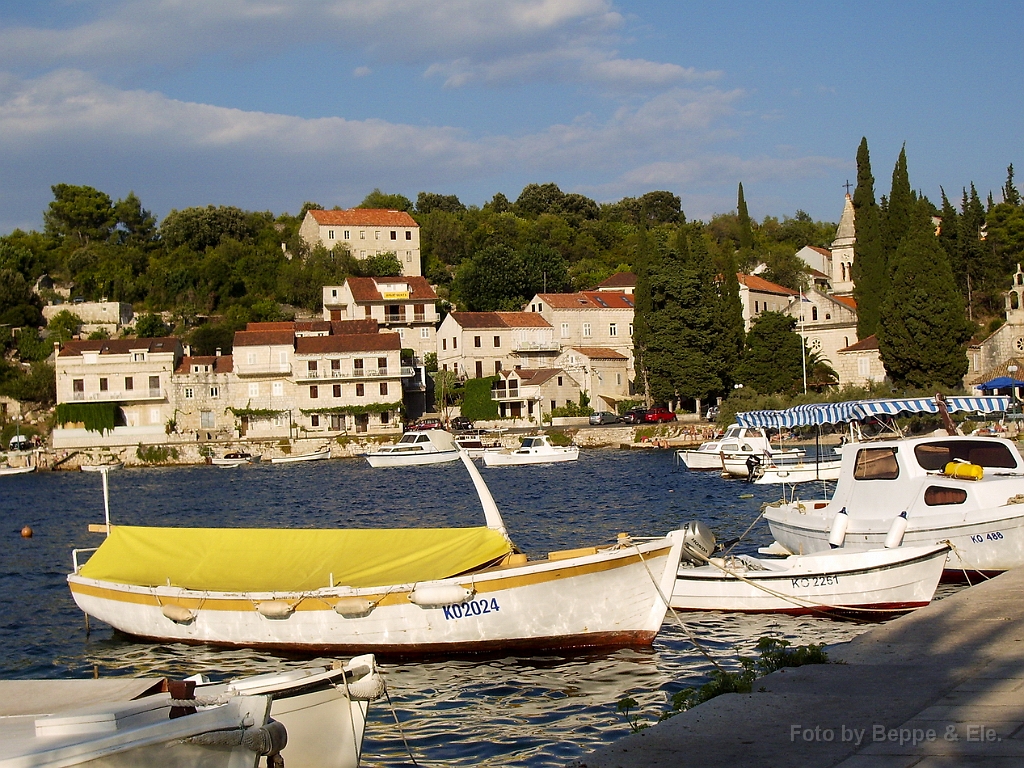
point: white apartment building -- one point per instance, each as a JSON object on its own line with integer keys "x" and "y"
{"x": 479, "y": 344}
{"x": 402, "y": 305}
{"x": 602, "y": 373}
{"x": 131, "y": 375}
{"x": 366, "y": 232}
{"x": 589, "y": 319}
{"x": 758, "y": 296}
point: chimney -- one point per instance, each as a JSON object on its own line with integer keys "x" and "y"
{"x": 218, "y": 351}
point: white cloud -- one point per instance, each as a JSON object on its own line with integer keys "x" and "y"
{"x": 361, "y": 71}
{"x": 465, "y": 41}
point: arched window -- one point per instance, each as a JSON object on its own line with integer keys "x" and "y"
{"x": 814, "y": 313}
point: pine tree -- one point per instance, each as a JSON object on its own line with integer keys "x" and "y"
{"x": 869, "y": 266}
{"x": 922, "y": 331}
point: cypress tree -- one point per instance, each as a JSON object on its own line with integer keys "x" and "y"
{"x": 746, "y": 234}
{"x": 731, "y": 332}
{"x": 922, "y": 331}
{"x": 642, "y": 265}
{"x": 772, "y": 359}
{"x": 869, "y": 267}
{"x": 900, "y": 208}
{"x": 949, "y": 239}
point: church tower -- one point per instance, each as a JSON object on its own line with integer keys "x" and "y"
{"x": 1015, "y": 300}
{"x": 842, "y": 252}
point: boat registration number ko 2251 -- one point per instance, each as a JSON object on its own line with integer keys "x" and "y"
{"x": 978, "y": 538}
{"x": 815, "y": 581}
{"x": 472, "y": 608}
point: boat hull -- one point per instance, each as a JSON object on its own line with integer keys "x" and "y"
{"x": 991, "y": 543}
{"x": 880, "y": 582}
{"x": 410, "y": 459}
{"x": 318, "y": 456}
{"x": 610, "y": 598}
{"x": 700, "y": 460}
{"x": 799, "y": 473}
{"x": 16, "y": 470}
{"x": 515, "y": 459}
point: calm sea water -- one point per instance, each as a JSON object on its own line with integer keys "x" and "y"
{"x": 512, "y": 711}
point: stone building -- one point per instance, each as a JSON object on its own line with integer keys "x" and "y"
{"x": 479, "y": 344}
{"x": 366, "y": 232}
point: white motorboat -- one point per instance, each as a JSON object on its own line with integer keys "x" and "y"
{"x": 323, "y": 453}
{"x": 474, "y": 445}
{"x": 235, "y": 459}
{"x": 394, "y": 590}
{"x": 429, "y": 446}
{"x": 9, "y": 470}
{"x": 145, "y": 731}
{"x": 737, "y": 441}
{"x": 877, "y": 582}
{"x": 968, "y": 491}
{"x": 781, "y": 469}
{"x": 533, "y": 450}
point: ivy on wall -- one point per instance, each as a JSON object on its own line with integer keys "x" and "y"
{"x": 96, "y": 417}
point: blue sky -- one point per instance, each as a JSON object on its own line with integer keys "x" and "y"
{"x": 265, "y": 104}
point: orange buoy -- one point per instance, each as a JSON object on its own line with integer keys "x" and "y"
{"x": 26, "y": 532}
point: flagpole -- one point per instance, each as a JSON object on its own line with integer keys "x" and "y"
{"x": 803, "y": 343}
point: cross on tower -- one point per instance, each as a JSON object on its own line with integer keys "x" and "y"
{"x": 847, "y": 185}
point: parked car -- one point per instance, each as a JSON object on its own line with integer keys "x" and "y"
{"x": 428, "y": 422}
{"x": 460, "y": 423}
{"x": 20, "y": 443}
{"x": 634, "y": 415}
{"x": 659, "y": 413}
{"x": 604, "y": 417}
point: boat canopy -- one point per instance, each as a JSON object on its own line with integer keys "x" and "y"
{"x": 290, "y": 559}
{"x": 861, "y": 410}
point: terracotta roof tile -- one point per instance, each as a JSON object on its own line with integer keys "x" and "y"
{"x": 264, "y": 338}
{"x": 822, "y": 251}
{"x": 537, "y": 376}
{"x": 848, "y": 301}
{"x": 500, "y": 320}
{"x": 121, "y": 346}
{"x": 871, "y": 342}
{"x": 351, "y": 342}
{"x": 365, "y": 289}
{"x": 279, "y": 326}
{"x": 219, "y": 363}
{"x": 619, "y": 280}
{"x": 340, "y": 327}
{"x": 587, "y": 300}
{"x": 759, "y": 284}
{"x": 363, "y": 217}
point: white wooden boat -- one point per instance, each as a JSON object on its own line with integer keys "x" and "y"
{"x": 142, "y": 732}
{"x": 878, "y": 582}
{"x": 8, "y": 470}
{"x": 323, "y": 709}
{"x": 398, "y": 591}
{"x": 235, "y": 459}
{"x": 107, "y": 467}
{"x": 966, "y": 490}
{"x": 533, "y": 450}
{"x": 737, "y": 441}
{"x": 323, "y": 453}
{"x": 781, "y": 469}
{"x": 430, "y": 446}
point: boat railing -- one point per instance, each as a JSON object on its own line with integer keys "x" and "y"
{"x": 74, "y": 555}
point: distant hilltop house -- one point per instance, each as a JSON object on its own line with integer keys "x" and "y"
{"x": 366, "y": 232}
{"x": 109, "y": 316}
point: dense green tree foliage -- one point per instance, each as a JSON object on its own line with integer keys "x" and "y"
{"x": 922, "y": 330}
{"x": 772, "y": 359}
{"x": 870, "y": 272}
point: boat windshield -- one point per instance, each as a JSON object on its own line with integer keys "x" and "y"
{"x": 731, "y": 432}
{"x": 409, "y": 438}
{"x": 528, "y": 442}
{"x": 985, "y": 453}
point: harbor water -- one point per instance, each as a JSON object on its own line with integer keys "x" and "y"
{"x": 545, "y": 710}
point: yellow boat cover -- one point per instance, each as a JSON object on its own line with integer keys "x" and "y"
{"x": 289, "y": 559}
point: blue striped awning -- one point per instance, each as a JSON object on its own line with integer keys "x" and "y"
{"x": 860, "y": 410}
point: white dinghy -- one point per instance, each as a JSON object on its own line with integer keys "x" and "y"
{"x": 878, "y": 582}
{"x": 396, "y": 590}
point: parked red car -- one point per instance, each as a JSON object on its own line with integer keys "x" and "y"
{"x": 659, "y": 413}
{"x": 425, "y": 423}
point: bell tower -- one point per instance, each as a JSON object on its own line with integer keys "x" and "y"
{"x": 1015, "y": 299}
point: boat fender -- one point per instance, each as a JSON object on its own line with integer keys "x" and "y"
{"x": 964, "y": 470}
{"x": 275, "y": 609}
{"x": 440, "y": 595}
{"x": 896, "y": 531}
{"x": 698, "y": 542}
{"x": 179, "y": 614}
{"x": 837, "y": 534}
{"x": 354, "y": 607}
{"x": 367, "y": 688}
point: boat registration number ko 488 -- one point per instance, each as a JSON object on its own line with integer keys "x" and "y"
{"x": 472, "y": 608}
{"x": 979, "y": 538}
{"x": 815, "y": 581}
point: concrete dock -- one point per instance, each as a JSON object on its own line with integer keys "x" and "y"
{"x": 943, "y": 686}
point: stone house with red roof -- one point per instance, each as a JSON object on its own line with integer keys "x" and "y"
{"x": 366, "y": 232}
{"x": 479, "y": 344}
{"x": 402, "y": 305}
{"x": 589, "y": 319}
{"x": 603, "y": 374}
{"x": 530, "y": 393}
{"x": 758, "y": 296}
{"x": 860, "y": 364}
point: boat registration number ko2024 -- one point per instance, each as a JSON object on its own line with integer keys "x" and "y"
{"x": 472, "y": 608}
{"x": 815, "y": 581}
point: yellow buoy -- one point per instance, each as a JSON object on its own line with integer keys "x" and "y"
{"x": 26, "y": 532}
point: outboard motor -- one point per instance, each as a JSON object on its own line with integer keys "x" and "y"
{"x": 698, "y": 543}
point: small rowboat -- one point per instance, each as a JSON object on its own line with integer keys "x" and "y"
{"x": 324, "y": 453}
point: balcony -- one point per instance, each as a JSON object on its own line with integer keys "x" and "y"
{"x": 123, "y": 396}
{"x": 394, "y": 318}
{"x": 512, "y": 393}
{"x": 536, "y": 346}
{"x": 356, "y": 373}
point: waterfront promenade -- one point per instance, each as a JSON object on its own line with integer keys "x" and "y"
{"x": 943, "y": 686}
